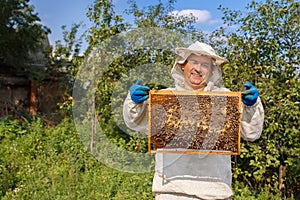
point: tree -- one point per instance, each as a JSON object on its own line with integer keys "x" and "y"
{"x": 264, "y": 49}
{"x": 106, "y": 22}
{"x": 107, "y": 25}
{"x": 117, "y": 55}
{"x": 20, "y": 31}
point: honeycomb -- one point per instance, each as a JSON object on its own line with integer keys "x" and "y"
{"x": 194, "y": 122}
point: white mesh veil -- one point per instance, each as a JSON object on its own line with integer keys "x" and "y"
{"x": 177, "y": 74}
{"x": 198, "y": 48}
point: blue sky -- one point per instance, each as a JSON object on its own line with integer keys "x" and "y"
{"x": 55, "y": 13}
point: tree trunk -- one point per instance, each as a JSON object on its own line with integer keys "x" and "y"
{"x": 33, "y": 99}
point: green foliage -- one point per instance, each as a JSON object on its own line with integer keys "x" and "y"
{"x": 243, "y": 192}
{"x": 157, "y": 15}
{"x": 65, "y": 61}
{"x": 20, "y": 31}
{"x": 265, "y": 50}
{"x": 257, "y": 51}
{"x": 105, "y": 23}
{"x": 41, "y": 162}
{"x": 112, "y": 67}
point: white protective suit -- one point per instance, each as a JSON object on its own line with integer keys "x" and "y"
{"x": 194, "y": 176}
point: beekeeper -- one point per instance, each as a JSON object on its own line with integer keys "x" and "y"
{"x": 194, "y": 176}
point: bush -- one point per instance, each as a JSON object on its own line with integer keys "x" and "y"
{"x": 41, "y": 162}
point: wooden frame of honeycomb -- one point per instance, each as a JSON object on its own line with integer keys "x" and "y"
{"x": 194, "y": 122}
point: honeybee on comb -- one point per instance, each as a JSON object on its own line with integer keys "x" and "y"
{"x": 201, "y": 122}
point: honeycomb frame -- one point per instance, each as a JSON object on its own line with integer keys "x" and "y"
{"x": 192, "y": 122}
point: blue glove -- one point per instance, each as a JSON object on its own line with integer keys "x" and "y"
{"x": 139, "y": 92}
{"x": 250, "y": 95}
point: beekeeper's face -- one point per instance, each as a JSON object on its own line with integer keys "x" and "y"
{"x": 197, "y": 70}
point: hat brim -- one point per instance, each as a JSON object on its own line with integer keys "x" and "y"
{"x": 184, "y": 53}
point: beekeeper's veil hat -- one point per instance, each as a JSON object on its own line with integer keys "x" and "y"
{"x": 198, "y": 48}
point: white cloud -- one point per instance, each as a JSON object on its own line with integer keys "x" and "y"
{"x": 202, "y": 16}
